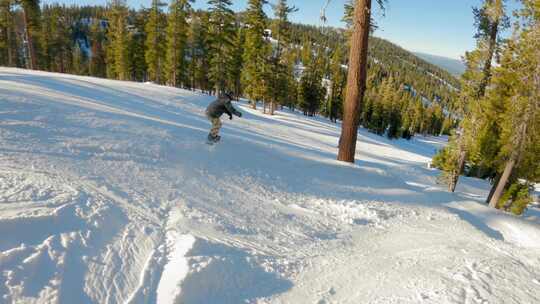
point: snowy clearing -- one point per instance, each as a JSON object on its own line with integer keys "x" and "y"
{"x": 108, "y": 194}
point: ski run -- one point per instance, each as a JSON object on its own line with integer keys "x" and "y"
{"x": 109, "y": 194}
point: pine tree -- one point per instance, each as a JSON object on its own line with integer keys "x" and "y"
{"x": 307, "y": 51}
{"x": 279, "y": 78}
{"x": 311, "y": 92}
{"x": 519, "y": 80}
{"x": 282, "y": 27}
{"x": 377, "y": 120}
{"x": 177, "y": 35}
{"x": 8, "y": 46}
{"x": 79, "y": 65}
{"x": 55, "y": 39}
{"x": 31, "y": 18}
{"x": 256, "y": 53}
{"x": 367, "y": 109}
{"x": 516, "y": 198}
{"x": 383, "y": 109}
{"x": 118, "y": 41}
{"x": 338, "y": 78}
{"x": 155, "y": 42}
{"x": 220, "y": 37}
{"x": 356, "y": 81}
{"x": 47, "y": 46}
{"x": 136, "y": 38}
{"x": 234, "y": 78}
{"x": 393, "y": 111}
{"x": 97, "y": 63}
{"x": 199, "y": 52}
{"x": 418, "y": 116}
{"x": 407, "y": 116}
{"x": 490, "y": 21}
{"x": 447, "y": 126}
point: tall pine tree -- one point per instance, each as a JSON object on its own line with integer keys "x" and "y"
{"x": 177, "y": 35}
{"x": 155, "y": 42}
{"x": 118, "y": 41}
{"x": 490, "y": 20}
{"x": 311, "y": 92}
{"x": 221, "y": 40}
{"x": 137, "y": 37}
{"x": 8, "y": 45}
{"x": 519, "y": 80}
{"x": 338, "y": 77}
{"x": 199, "y": 51}
{"x": 356, "y": 80}
{"x": 56, "y": 39}
{"x": 234, "y": 77}
{"x": 279, "y": 77}
{"x": 256, "y": 53}
{"x": 31, "y": 18}
{"x": 97, "y": 59}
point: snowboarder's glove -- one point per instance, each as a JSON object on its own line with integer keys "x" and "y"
{"x": 239, "y": 114}
{"x": 230, "y": 116}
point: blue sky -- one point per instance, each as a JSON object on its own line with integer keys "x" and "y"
{"x": 439, "y": 27}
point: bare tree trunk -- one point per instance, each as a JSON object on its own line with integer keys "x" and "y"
{"x": 8, "y": 28}
{"x": 272, "y": 108}
{"x": 192, "y": 80}
{"x": 11, "y": 61}
{"x": 514, "y": 157}
{"x": 173, "y": 80}
{"x": 502, "y": 182}
{"x": 356, "y": 80}
{"x": 493, "y": 32}
{"x": 459, "y": 169}
{"x": 62, "y": 68}
{"x": 493, "y": 188}
{"x": 30, "y": 42}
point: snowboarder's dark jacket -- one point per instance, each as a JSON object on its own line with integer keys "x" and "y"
{"x": 221, "y": 106}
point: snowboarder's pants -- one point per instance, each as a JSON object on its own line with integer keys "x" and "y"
{"x": 216, "y": 125}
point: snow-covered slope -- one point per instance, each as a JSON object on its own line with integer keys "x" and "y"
{"x": 108, "y": 194}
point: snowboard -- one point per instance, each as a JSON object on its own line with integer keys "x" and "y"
{"x": 212, "y": 142}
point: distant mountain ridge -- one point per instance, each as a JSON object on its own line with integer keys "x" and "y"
{"x": 454, "y": 66}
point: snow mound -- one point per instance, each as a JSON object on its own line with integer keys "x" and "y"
{"x": 503, "y": 226}
{"x": 109, "y": 194}
{"x": 176, "y": 268}
{"x": 49, "y": 226}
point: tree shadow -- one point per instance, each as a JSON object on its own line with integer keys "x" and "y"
{"x": 478, "y": 223}
{"x": 232, "y": 276}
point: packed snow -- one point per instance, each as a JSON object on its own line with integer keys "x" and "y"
{"x": 109, "y": 194}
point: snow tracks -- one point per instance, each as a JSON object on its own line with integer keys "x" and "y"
{"x": 108, "y": 194}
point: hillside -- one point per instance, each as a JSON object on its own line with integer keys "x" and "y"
{"x": 108, "y": 194}
{"x": 117, "y": 41}
{"x": 430, "y": 80}
{"x": 454, "y": 66}
{"x": 425, "y": 70}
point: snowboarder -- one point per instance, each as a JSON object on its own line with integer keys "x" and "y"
{"x": 215, "y": 110}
